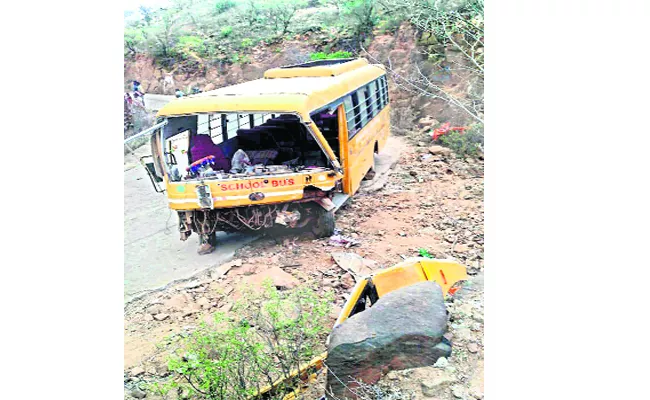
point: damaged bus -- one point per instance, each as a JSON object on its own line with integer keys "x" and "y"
{"x": 286, "y": 149}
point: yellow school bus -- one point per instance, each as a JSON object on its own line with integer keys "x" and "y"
{"x": 286, "y": 149}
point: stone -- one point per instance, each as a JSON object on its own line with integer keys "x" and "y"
{"x": 427, "y": 121}
{"x": 441, "y": 363}
{"x": 279, "y": 278}
{"x": 137, "y": 371}
{"x": 435, "y": 383}
{"x": 137, "y": 393}
{"x": 347, "y": 280}
{"x": 148, "y": 317}
{"x": 160, "y": 317}
{"x": 155, "y": 309}
{"x": 403, "y": 329}
{"x": 459, "y": 392}
{"x": 203, "y": 302}
{"x": 177, "y": 301}
{"x": 358, "y": 266}
{"x": 439, "y": 150}
{"x": 472, "y": 347}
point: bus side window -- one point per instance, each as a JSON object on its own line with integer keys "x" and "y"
{"x": 363, "y": 110}
{"x": 379, "y": 94}
{"x": 232, "y": 125}
{"x": 371, "y": 96}
{"x": 216, "y": 133}
{"x": 349, "y": 115}
{"x": 357, "y": 112}
{"x": 385, "y": 85}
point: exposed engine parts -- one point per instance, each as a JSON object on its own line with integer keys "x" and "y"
{"x": 206, "y": 222}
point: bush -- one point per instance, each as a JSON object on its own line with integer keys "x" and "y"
{"x": 272, "y": 333}
{"x": 326, "y": 56}
{"x": 224, "y": 5}
{"x": 226, "y": 31}
{"x": 467, "y": 144}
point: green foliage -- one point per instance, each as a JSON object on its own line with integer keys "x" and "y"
{"x": 329, "y": 56}
{"x": 222, "y": 6}
{"x": 361, "y": 15}
{"x": 467, "y": 144}
{"x": 247, "y": 42}
{"x": 270, "y": 334}
{"x": 226, "y": 31}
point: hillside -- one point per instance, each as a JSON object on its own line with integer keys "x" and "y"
{"x": 435, "y": 61}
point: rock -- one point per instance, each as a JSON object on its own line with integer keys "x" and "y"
{"x": 224, "y": 268}
{"x": 427, "y": 121}
{"x": 461, "y": 248}
{"x": 148, "y": 317}
{"x": 439, "y": 150}
{"x": 354, "y": 263}
{"x": 413, "y": 173}
{"x": 155, "y": 309}
{"x": 459, "y": 392}
{"x": 347, "y": 280}
{"x": 177, "y": 301}
{"x": 435, "y": 383}
{"x": 192, "y": 284}
{"x": 137, "y": 371}
{"x": 160, "y": 317}
{"x": 187, "y": 312}
{"x": 203, "y": 302}
{"x": 403, "y": 329}
{"x": 422, "y": 144}
{"x": 209, "y": 86}
{"x": 279, "y": 278}
{"x": 441, "y": 363}
{"x": 137, "y": 393}
{"x": 472, "y": 347}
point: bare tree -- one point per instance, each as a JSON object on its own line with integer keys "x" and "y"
{"x": 459, "y": 28}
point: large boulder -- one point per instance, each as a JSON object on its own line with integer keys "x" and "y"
{"x": 404, "y": 329}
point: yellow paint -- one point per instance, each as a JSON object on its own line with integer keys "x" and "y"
{"x": 349, "y": 305}
{"x": 325, "y": 70}
{"x": 288, "y": 90}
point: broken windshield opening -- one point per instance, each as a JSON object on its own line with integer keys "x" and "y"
{"x": 235, "y": 145}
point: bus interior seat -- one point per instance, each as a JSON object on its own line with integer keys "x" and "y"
{"x": 203, "y": 146}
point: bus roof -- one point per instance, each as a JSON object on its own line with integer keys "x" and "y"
{"x": 301, "y": 88}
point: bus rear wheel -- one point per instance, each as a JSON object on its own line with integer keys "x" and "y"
{"x": 324, "y": 224}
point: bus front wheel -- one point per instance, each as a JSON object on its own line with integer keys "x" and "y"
{"x": 324, "y": 224}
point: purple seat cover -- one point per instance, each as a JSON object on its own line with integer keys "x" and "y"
{"x": 202, "y": 146}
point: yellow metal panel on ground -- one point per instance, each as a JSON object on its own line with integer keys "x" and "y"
{"x": 352, "y": 301}
{"x": 445, "y": 272}
{"x": 398, "y": 276}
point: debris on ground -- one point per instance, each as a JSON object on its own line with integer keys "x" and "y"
{"x": 356, "y": 265}
{"x": 342, "y": 241}
{"x": 439, "y": 209}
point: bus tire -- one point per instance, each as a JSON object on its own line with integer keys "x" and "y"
{"x": 325, "y": 224}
